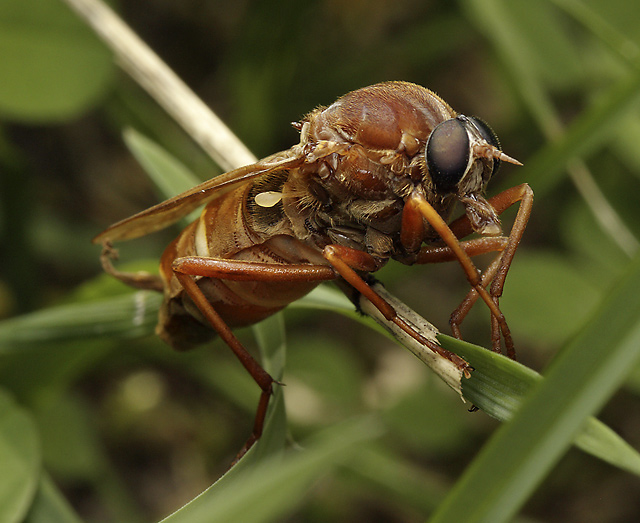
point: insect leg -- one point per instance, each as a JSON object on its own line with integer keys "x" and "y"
{"x": 458, "y": 315}
{"x": 500, "y": 202}
{"x": 418, "y": 204}
{"x": 524, "y": 195}
{"x": 185, "y": 268}
{"x": 346, "y": 262}
{"x": 475, "y": 247}
{"x": 461, "y": 227}
{"x": 497, "y": 271}
{"x": 138, "y": 280}
{"x": 251, "y": 271}
{"x": 260, "y": 376}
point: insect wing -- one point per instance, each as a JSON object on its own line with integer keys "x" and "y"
{"x": 170, "y": 211}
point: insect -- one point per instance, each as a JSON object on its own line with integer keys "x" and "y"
{"x": 375, "y": 177}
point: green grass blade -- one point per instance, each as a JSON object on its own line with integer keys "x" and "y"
{"x": 497, "y": 385}
{"x": 20, "y": 460}
{"x": 126, "y": 316}
{"x": 599, "y": 440}
{"x": 583, "y": 136}
{"x": 624, "y": 48}
{"x": 272, "y": 488}
{"x": 590, "y": 130}
{"x": 50, "y": 506}
{"x": 579, "y": 381}
{"x": 169, "y": 175}
{"x": 499, "y": 24}
{"x": 270, "y": 335}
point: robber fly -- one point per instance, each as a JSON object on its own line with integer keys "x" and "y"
{"x": 374, "y": 177}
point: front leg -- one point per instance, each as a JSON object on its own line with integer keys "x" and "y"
{"x": 496, "y": 273}
{"x": 418, "y": 208}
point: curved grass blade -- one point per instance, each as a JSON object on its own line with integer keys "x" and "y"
{"x": 20, "y": 458}
{"x": 590, "y": 130}
{"x": 497, "y": 385}
{"x": 127, "y": 316}
{"x": 50, "y": 506}
{"x": 270, "y": 336}
{"x": 278, "y": 483}
{"x": 169, "y": 175}
{"x": 578, "y": 382}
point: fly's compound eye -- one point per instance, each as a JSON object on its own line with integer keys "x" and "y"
{"x": 489, "y": 136}
{"x": 447, "y": 154}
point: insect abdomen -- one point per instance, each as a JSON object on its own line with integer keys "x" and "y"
{"x": 223, "y": 233}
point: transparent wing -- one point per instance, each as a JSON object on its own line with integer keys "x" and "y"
{"x": 168, "y": 212}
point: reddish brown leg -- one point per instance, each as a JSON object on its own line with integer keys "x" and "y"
{"x": 475, "y": 247}
{"x": 251, "y": 271}
{"x": 138, "y": 280}
{"x": 501, "y": 202}
{"x": 497, "y": 271}
{"x": 524, "y": 195}
{"x": 458, "y": 315}
{"x": 261, "y": 377}
{"x": 185, "y": 268}
{"x": 344, "y": 260}
{"x": 418, "y": 204}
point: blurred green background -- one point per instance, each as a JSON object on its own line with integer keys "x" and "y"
{"x": 130, "y": 430}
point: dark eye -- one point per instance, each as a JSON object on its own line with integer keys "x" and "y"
{"x": 490, "y": 136}
{"x": 447, "y": 154}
